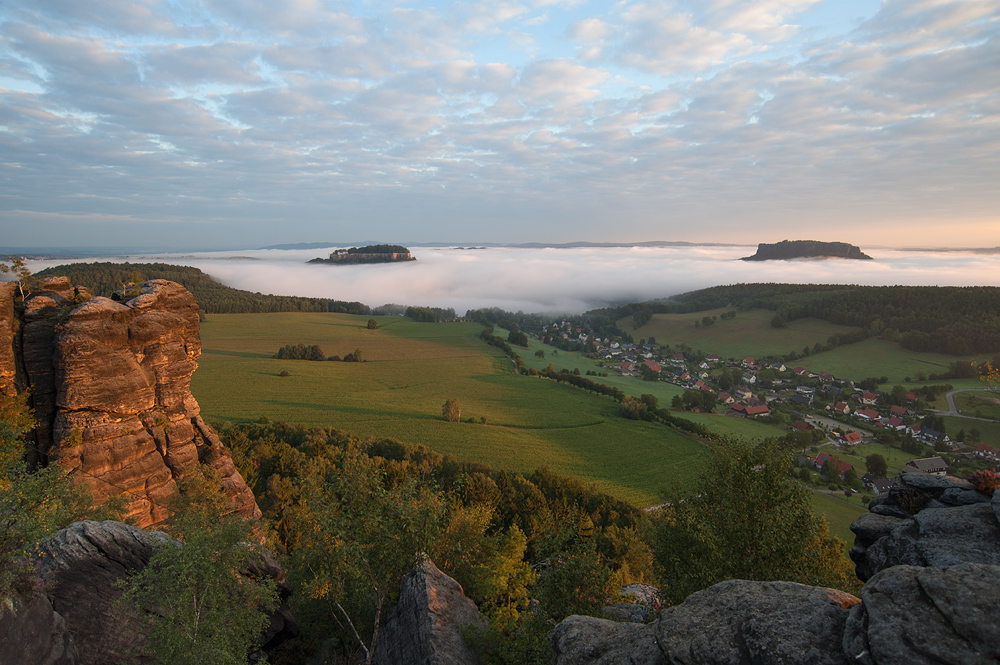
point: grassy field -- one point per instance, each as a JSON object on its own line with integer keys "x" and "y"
{"x": 839, "y": 512}
{"x": 876, "y": 357}
{"x": 989, "y": 429}
{"x": 411, "y": 369}
{"x": 749, "y": 334}
{"x": 894, "y": 457}
{"x": 979, "y": 404}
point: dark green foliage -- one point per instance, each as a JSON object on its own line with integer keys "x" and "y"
{"x": 955, "y": 320}
{"x": 746, "y": 519}
{"x": 33, "y": 504}
{"x": 379, "y": 249}
{"x": 300, "y": 352}
{"x": 208, "y": 612}
{"x": 876, "y": 465}
{"x": 103, "y": 279}
{"x": 430, "y": 314}
{"x": 517, "y": 337}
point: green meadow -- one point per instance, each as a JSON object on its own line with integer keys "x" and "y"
{"x": 410, "y": 370}
{"x": 839, "y": 512}
{"x": 749, "y": 334}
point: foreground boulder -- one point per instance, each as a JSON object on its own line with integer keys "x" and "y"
{"x": 732, "y": 623}
{"x": 110, "y": 385}
{"x": 77, "y": 620}
{"x": 915, "y": 614}
{"x": 930, "y": 553}
{"x": 926, "y": 520}
{"x": 425, "y": 626}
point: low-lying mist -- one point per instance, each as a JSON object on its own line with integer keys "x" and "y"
{"x": 562, "y": 280}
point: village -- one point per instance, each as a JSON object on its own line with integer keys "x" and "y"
{"x": 841, "y": 413}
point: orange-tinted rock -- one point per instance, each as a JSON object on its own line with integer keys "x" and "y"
{"x": 8, "y": 337}
{"x": 111, "y": 387}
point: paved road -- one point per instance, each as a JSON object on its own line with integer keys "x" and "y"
{"x": 953, "y": 410}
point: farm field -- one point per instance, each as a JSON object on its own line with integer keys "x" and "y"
{"x": 749, "y": 334}
{"x": 877, "y": 357}
{"x": 729, "y": 426}
{"x": 411, "y": 369}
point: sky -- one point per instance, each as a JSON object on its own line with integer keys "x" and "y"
{"x": 179, "y": 124}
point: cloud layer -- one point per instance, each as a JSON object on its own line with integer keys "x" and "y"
{"x": 564, "y": 280}
{"x": 221, "y": 121}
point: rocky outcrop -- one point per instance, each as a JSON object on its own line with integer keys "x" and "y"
{"x": 425, "y": 626}
{"x": 32, "y": 632}
{"x": 926, "y": 520}
{"x": 930, "y": 552}
{"x": 8, "y": 335}
{"x": 77, "y": 619}
{"x": 110, "y": 384}
{"x": 915, "y": 614}
{"x": 799, "y": 249}
{"x": 731, "y": 623}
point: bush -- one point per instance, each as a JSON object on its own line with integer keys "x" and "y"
{"x": 451, "y": 411}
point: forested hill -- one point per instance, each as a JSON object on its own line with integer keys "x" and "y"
{"x": 105, "y": 278}
{"x": 945, "y": 319}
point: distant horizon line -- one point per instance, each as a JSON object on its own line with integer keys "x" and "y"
{"x": 98, "y": 251}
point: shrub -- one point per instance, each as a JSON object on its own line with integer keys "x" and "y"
{"x": 985, "y": 482}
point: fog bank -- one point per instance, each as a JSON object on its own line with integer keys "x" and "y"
{"x": 561, "y": 280}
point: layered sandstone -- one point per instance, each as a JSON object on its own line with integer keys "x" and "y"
{"x": 8, "y": 337}
{"x": 110, "y": 383}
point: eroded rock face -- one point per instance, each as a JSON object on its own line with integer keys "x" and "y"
{"x": 912, "y": 615}
{"x": 8, "y": 334}
{"x": 756, "y": 623}
{"x": 425, "y": 626}
{"x": 582, "y": 640}
{"x": 941, "y": 521}
{"x": 77, "y": 619}
{"x": 110, "y": 385}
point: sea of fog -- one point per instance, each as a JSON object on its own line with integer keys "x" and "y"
{"x": 559, "y": 280}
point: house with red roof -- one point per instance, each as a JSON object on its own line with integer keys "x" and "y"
{"x": 841, "y": 407}
{"x": 897, "y": 410}
{"x": 853, "y": 438}
{"x": 869, "y": 414}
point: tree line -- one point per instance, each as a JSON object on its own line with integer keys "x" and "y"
{"x": 104, "y": 278}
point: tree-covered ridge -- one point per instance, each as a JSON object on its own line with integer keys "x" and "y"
{"x": 379, "y": 249}
{"x": 104, "y": 278}
{"x": 368, "y": 254}
{"x": 943, "y": 319}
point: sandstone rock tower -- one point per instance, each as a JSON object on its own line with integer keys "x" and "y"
{"x": 110, "y": 385}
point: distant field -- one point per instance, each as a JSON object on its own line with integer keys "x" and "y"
{"x": 412, "y": 369}
{"x": 894, "y": 457}
{"x": 749, "y": 334}
{"x": 729, "y": 426}
{"x": 980, "y": 404}
{"x": 989, "y": 430}
{"x": 876, "y": 357}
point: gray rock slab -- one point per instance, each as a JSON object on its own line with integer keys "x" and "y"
{"x": 580, "y": 640}
{"x": 912, "y": 615}
{"x": 758, "y": 623}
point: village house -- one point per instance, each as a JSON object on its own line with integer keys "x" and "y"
{"x": 726, "y": 398}
{"x": 853, "y": 438}
{"x": 841, "y": 407}
{"x": 869, "y": 414}
{"x": 897, "y": 411}
{"x": 712, "y": 358}
{"x": 934, "y": 466}
{"x": 986, "y": 451}
{"x": 868, "y": 398}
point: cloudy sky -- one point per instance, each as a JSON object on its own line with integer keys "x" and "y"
{"x": 237, "y": 123}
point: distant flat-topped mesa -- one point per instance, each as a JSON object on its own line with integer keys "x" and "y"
{"x": 369, "y": 254}
{"x": 803, "y": 249}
